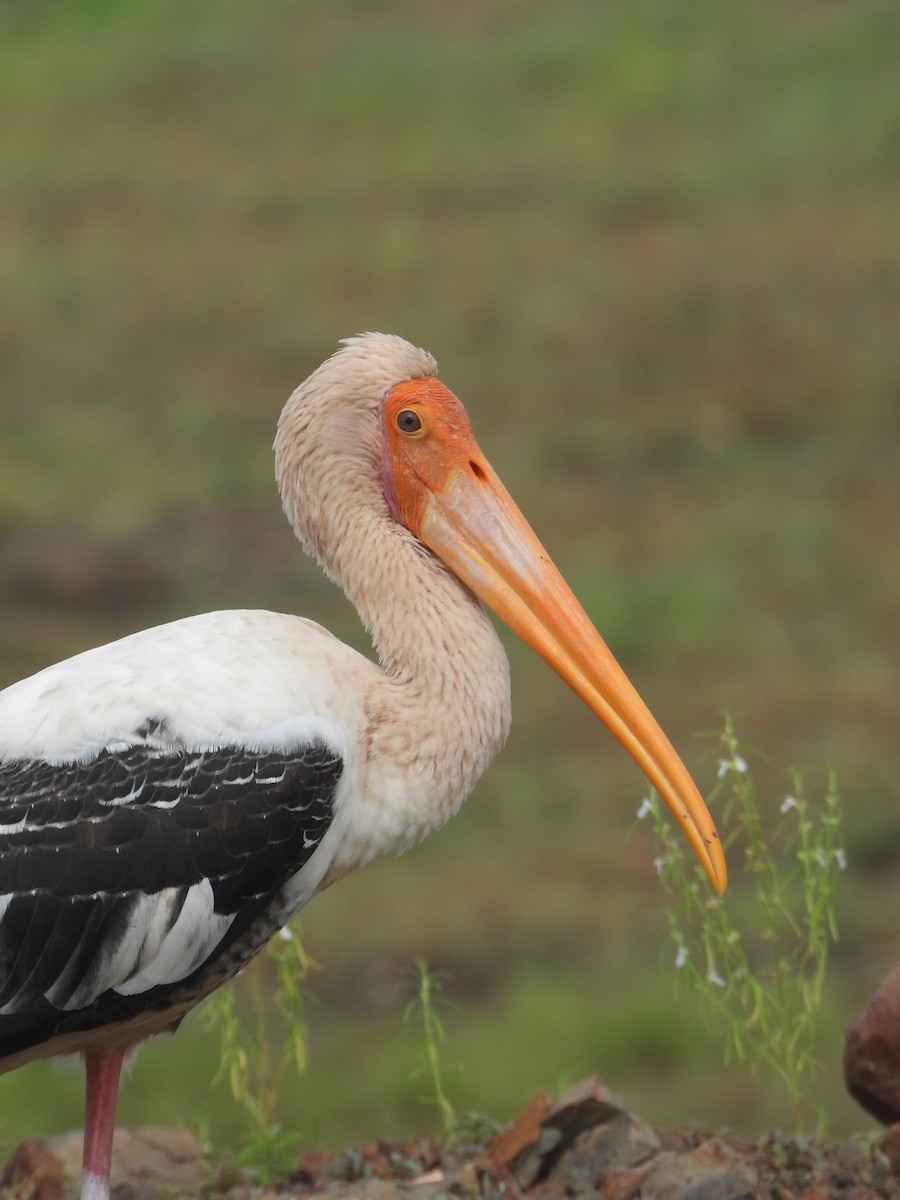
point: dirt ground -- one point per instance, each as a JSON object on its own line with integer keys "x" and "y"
{"x": 586, "y": 1145}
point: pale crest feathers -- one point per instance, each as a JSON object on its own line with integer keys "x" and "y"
{"x": 382, "y": 356}
{"x": 328, "y": 448}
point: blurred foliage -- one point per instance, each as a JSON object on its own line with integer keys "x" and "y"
{"x": 258, "y": 1018}
{"x": 760, "y": 968}
{"x": 654, "y": 249}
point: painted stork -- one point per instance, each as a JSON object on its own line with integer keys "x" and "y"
{"x": 170, "y": 800}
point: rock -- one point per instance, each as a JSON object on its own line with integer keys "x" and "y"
{"x": 872, "y": 1053}
{"x": 520, "y": 1147}
{"x": 587, "y": 1144}
{"x": 710, "y": 1171}
{"x": 618, "y": 1142}
{"x": 547, "y": 1147}
{"x": 153, "y": 1158}
{"x": 34, "y": 1171}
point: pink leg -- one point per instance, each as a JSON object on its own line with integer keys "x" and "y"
{"x": 103, "y": 1068}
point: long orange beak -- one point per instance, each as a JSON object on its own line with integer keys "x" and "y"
{"x": 455, "y": 503}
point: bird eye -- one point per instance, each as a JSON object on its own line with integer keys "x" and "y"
{"x": 408, "y": 421}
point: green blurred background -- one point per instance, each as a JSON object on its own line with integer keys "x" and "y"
{"x": 655, "y": 248}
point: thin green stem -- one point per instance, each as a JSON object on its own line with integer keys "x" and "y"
{"x": 256, "y": 1052}
{"x": 764, "y": 981}
{"x": 423, "y": 1011}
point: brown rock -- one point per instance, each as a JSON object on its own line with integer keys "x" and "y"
{"x": 545, "y": 1132}
{"x": 597, "y": 1155}
{"x": 35, "y": 1172}
{"x": 622, "y": 1185}
{"x": 523, "y": 1134}
{"x": 311, "y": 1163}
{"x": 872, "y": 1053}
{"x": 162, "y": 1158}
{"x": 711, "y": 1171}
{"x": 566, "y": 1148}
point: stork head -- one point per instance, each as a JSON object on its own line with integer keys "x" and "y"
{"x": 415, "y": 461}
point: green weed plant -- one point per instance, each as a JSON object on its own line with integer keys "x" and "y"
{"x": 760, "y": 967}
{"x": 259, "y": 1041}
{"x": 422, "y": 1013}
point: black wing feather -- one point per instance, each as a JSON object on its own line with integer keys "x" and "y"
{"x": 83, "y": 844}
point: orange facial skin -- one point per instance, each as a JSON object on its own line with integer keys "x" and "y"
{"x": 442, "y": 488}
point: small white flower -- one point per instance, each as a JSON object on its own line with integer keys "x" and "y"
{"x": 659, "y": 864}
{"x": 285, "y": 933}
{"x": 841, "y": 859}
{"x": 716, "y": 978}
{"x": 736, "y": 764}
{"x": 681, "y": 957}
{"x": 788, "y": 803}
{"x": 646, "y": 809}
{"x": 821, "y": 859}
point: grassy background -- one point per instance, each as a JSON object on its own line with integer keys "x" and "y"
{"x": 654, "y": 248}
